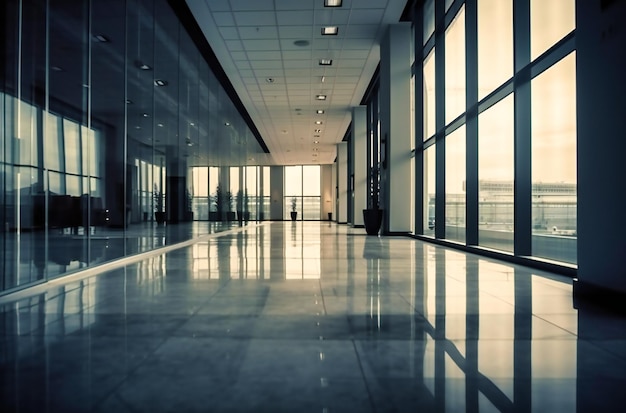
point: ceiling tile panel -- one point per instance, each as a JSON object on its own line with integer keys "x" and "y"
{"x": 234, "y": 45}
{"x": 294, "y": 17}
{"x": 252, "y": 4}
{"x": 295, "y": 5}
{"x": 296, "y": 54}
{"x": 258, "y": 45}
{"x": 267, "y": 55}
{"x": 218, "y": 5}
{"x": 261, "y": 32}
{"x": 366, "y": 16}
{"x": 304, "y": 32}
{"x": 243, "y": 65}
{"x": 266, "y": 64}
{"x": 239, "y": 56}
{"x": 361, "y": 31}
{"x": 296, "y": 64}
{"x": 258, "y": 18}
{"x": 224, "y": 19}
{"x": 229, "y": 33}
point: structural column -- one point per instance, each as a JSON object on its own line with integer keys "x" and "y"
{"x": 395, "y": 127}
{"x": 359, "y": 151}
{"x": 342, "y": 183}
{"x": 601, "y": 104}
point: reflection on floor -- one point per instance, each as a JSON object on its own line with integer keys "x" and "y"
{"x": 299, "y": 317}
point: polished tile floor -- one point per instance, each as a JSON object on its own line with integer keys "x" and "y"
{"x": 311, "y": 317}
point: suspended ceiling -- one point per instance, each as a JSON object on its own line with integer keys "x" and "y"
{"x": 271, "y": 52}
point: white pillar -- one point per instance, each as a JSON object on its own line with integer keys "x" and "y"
{"x": 359, "y": 146}
{"x": 395, "y": 124}
{"x": 342, "y": 182}
{"x": 327, "y": 191}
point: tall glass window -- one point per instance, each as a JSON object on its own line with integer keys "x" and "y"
{"x": 550, "y": 21}
{"x": 302, "y": 192}
{"x": 495, "y": 175}
{"x": 455, "y": 67}
{"x": 554, "y": 162}
{"x": 429, "y": 19}
{"x": 429, "y": 95}
{"x": 495, "y": 44}
{"x": 455, "y": 185}
{"x": 429, "y": 191}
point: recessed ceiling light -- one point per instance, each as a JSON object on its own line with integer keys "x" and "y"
{"x": 160, "y": 125}
{"x": 320, "y": 111}
{"x": 192, "y": 124}
{"x": 270, "y": 80}
{"x": 226, "y": 123}
{"x": 318, "y": 131}
{"x": 101, "y": 38}
{"x": 301, "y": 43}
{"x": 316, "y": 141}
{"x": 330, "y": 30}
{"x": 141, "y": 65}
{"x": 318, "y": 122}
{"x": 320, "y": 97}
{"x": 160, "y": 82}
{"x": 332, "y": 3}
{"x": 145, "y": 115}
{"x": 325, "y": 62}
{"x": 284, "y": 131}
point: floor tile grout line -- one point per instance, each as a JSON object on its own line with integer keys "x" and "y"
{"x": 367, "y": 387}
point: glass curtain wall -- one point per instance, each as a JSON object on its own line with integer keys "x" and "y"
{"x": 111, "y": 118}
{"x": 501, "y": 105}
{"x": 302, "y": 192}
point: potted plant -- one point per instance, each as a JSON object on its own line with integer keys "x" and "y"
{"x": 159, "y": 213}
{"x": 228, "y": 199}
{"x": 373, "y": 215}
{"x": 294, "y": 204}
{"x": 188, "y": 205}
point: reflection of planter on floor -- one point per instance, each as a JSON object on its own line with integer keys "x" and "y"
{"x": 294, "y": 215}
{"x": 372, "y": 218}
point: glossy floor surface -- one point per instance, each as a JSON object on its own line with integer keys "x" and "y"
{"x": 311, "y": 317}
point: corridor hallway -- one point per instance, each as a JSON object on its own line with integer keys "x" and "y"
{"x": 310, "y": 317}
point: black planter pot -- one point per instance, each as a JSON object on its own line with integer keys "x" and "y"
{"x": 159, "y": 217}
{"x": 372, "y": 218}
{"x": 294, "y": 215}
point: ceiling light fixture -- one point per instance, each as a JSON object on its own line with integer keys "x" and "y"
{"x": 330, "y": 31}
{"x": 270, "y": 80}
{"x": 332, "y": 3}
{"x": 101, "y": 38}
{"x": 160, "y": 125}
{"x": 316, "y": 142}
{"x": 226, "y": 123}
{"x": 56, "y": 69}
{"x": 160, "y": 82}
{"x": 318, "y": 131}
{"x": 320, "y": 111}
{"x": 145, "y": 115}
{"x": 325, "y": 62}
{"x": 320, "y": 97}
{"x": 318, "y": 122}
